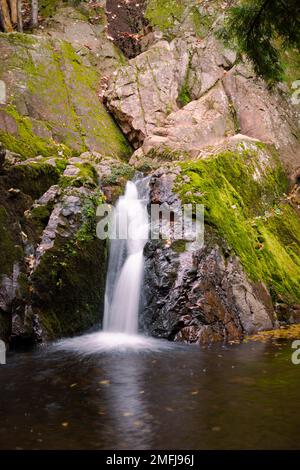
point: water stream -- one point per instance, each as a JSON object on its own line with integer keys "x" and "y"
{"x": 126, "y": 261}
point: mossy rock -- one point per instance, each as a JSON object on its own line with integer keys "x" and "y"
{"x": 69, "y": 282}
{"x": 244, "y": 204}
{"x": 9, "y": 251}
{"x": 32, "y": 178}
{"x": 174, "y": 16}
{"x": 69, "y": 286}
{"x": 52, "y": 101}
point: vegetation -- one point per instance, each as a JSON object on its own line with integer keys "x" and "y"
{"x": 260, "y": 28}
{"x": 249, "y": 212}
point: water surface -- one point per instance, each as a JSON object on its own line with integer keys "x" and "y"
{"x": 105, "y": 392}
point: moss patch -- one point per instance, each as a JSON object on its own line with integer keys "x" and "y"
{"x": 53, "y": 102}
{"x": 285, "y": 333}
{"x": 47, "y": 8}
{"x": 32, "y": 178}
{"x": 164, "y": 13}
{"x": 291, "y": 64}
{"x": 68, "y": 284}
{"x": 171, "y": 15}
{"x": 119, "y": 171}
{"x": 246, "y": 210}
{"x": 25, "y": 141}
{"x": 9, "y": 252}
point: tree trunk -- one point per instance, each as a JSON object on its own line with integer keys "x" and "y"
{"x": 34, "y": 13}
{"x": 20, "y": 18}
{"x": 13, "y": 11}
{"x": 5, "y": 16}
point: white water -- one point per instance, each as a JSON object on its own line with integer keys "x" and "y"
{"x": 103, "y": 342}
{"x": 123, "y": 283}
{"x": 126, "y": 261}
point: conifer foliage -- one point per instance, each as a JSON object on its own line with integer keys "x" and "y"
{"x": 260, "y": 29}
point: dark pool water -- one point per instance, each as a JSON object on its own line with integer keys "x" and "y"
{"x": 163, "y": 396}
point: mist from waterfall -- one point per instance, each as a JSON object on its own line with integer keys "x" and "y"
{"x": 126, "y": 260}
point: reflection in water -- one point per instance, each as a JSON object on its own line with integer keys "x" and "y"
{"x": 136, "y": 397}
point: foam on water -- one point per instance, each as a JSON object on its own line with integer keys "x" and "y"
{"x": 95, "y": 343}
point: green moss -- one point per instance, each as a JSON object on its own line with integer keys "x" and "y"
{"x": 164, "y": 13}
{"x": 19, "y": 38}
{"x": 118, "y": 171}
{"x": 9, "y": 253}
{"x": 184, "y": 96}
{"x": 41, "y": 214}
{"x": 25, "y": 141}
{"x": 87, "y": 176}
{"x": 291, "y": 62}
{"x": 88, "y": 228}
{"x": 33, "y": 178}
{"x": 87, "y": 173}
{"x": 201, "y": 22}
{"x": 169, "y": 16}
{"x": 103, "y": 131}
{"x": 66, "y": 92}
{"x": 47, "y": 8}
{"x": 145, "y": 167}
{"x": 23, "y": 287}
{"x": 179, "y": 246}
{"x": 245, "y": 209}
{"x": 69, "y": 282}
{"x": 61, "y": 164}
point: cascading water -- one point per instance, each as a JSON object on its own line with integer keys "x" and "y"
{"x": 126, "y": 261}
{"x": 124, "y": 281}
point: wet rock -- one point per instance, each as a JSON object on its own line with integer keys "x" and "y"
{"x": 2, "y": 155}
{"x": 49, "y": 249}
{"x": 200, "y": 298}
{"x": 202, "y": 291}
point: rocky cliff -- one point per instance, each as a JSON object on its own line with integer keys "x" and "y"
{"x": 210, "y": 132}
{"x": 95, "y": 81}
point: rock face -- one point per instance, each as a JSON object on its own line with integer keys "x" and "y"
{"x": 202, "y": 125}
{"x": 162, "y": 79}
{"x": 218, "y": 98}
{"x": 61, "y": 155}
{"x": 43, "y": 245}
{"x": 236, "y": 281}
{"x": 203, "y": 298}
{"x": 53, "y": 267}
{"x": 85, "y": 28}
{"x": 51, "y": 101}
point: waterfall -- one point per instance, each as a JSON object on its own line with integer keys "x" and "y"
{"x": 126, "y": 260}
